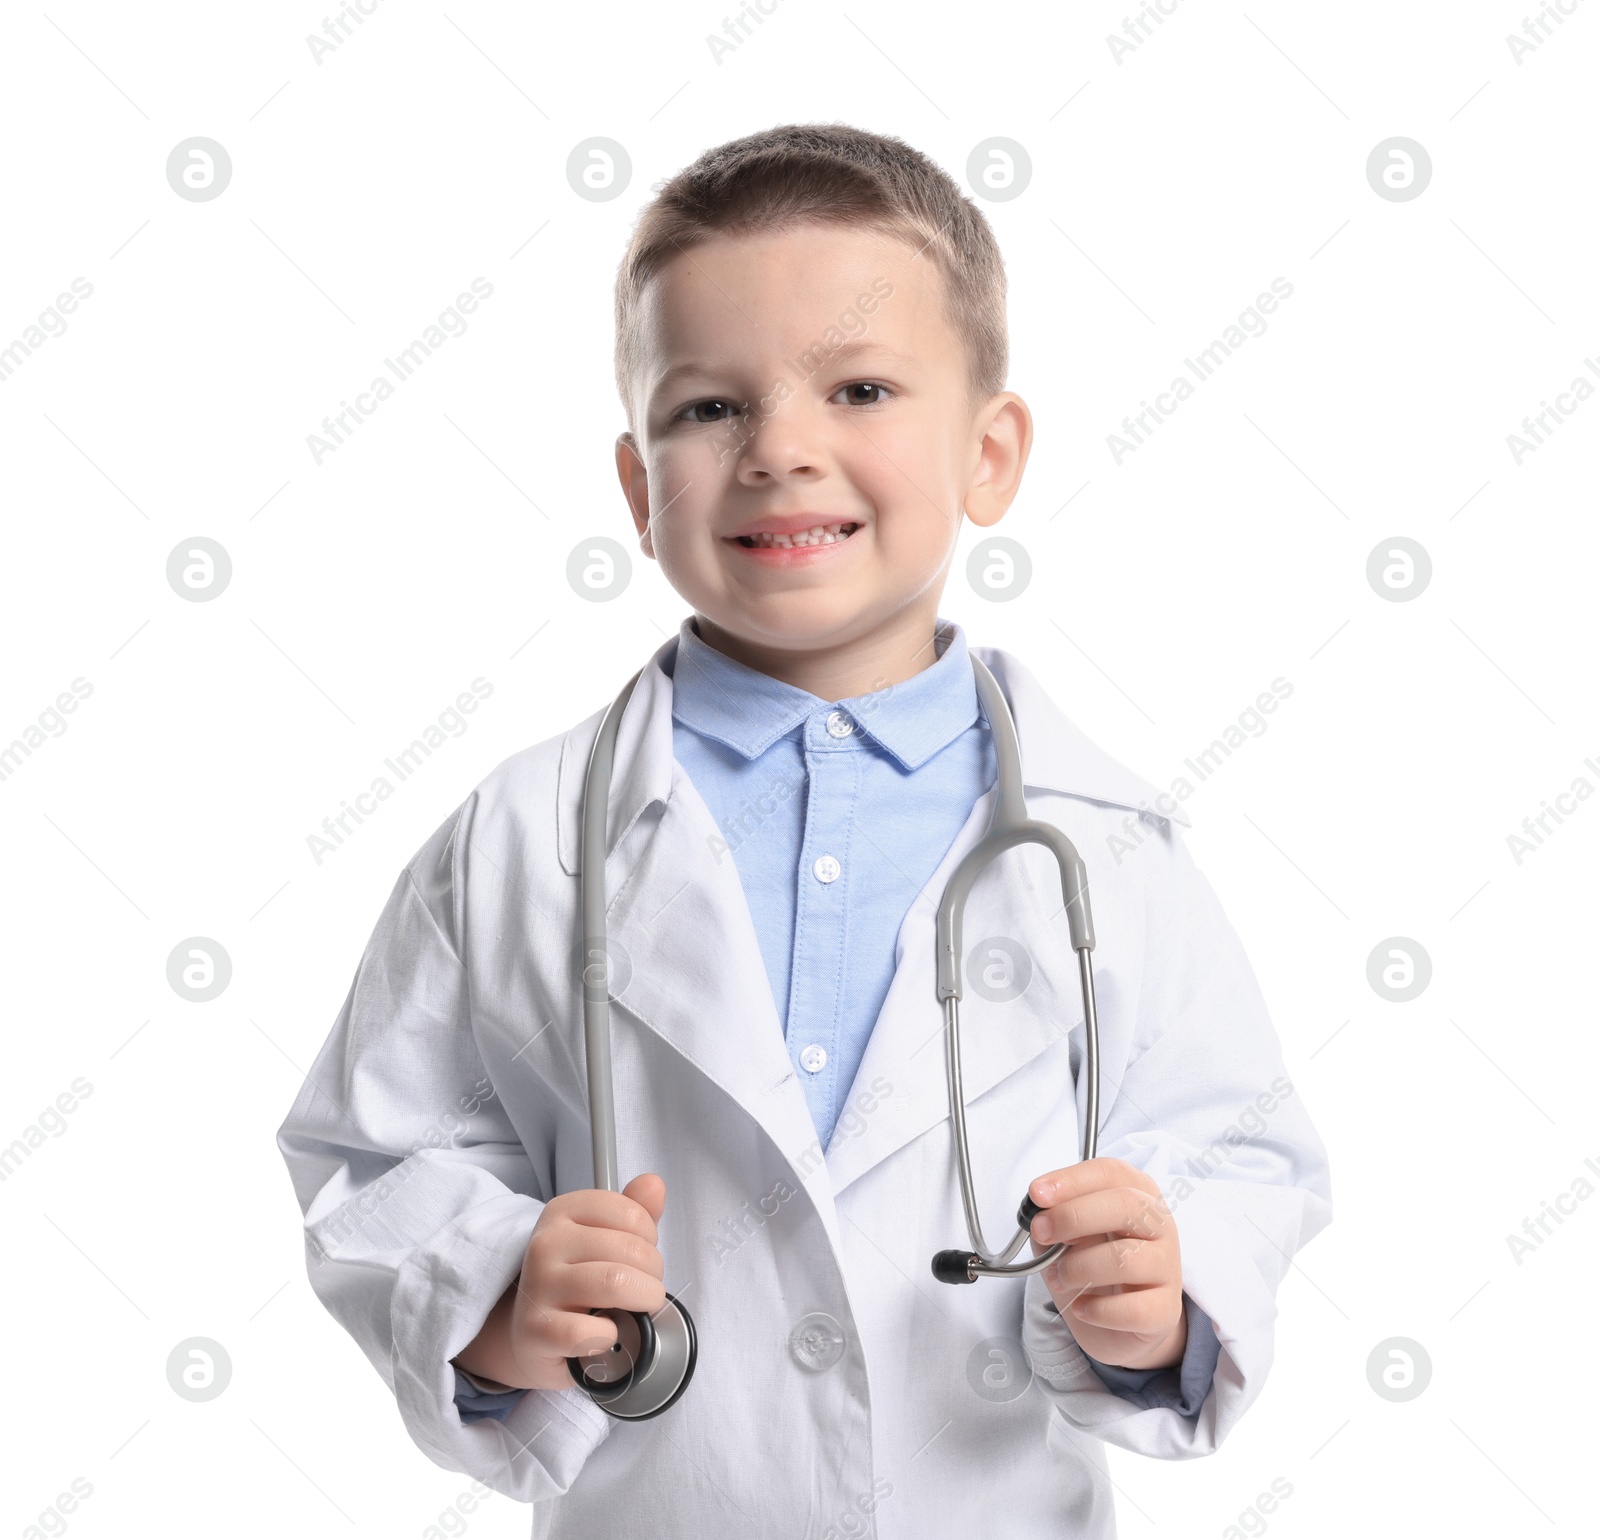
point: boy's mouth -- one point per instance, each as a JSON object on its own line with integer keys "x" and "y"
{"x": 817, "y": 534}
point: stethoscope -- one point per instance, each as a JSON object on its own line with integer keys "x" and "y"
{"x": 652, "y": 1357}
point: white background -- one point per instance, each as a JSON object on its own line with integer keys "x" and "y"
{"x": 1167, "y": 191}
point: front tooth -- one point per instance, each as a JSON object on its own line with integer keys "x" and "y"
{"x": 818, "y": 534}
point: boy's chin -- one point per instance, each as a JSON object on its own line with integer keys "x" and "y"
{"x": 804, "y": 623}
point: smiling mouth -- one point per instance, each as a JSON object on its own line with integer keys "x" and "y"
{"x": 819, "y": 534}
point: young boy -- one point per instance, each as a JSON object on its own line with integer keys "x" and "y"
{"x": 811, "y": 348}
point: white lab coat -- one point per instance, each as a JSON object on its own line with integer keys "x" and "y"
{"x": 449, "y": 1102}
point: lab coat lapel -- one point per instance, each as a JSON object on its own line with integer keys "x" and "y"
{"x": 690, "y": 968}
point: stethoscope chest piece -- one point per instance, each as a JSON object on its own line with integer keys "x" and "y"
{"x": 648, "y": 1365}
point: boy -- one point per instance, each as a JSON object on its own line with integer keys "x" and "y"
{"x": 811, "y": 349}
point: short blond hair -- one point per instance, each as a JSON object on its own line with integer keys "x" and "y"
{"x": 825, "y": 173}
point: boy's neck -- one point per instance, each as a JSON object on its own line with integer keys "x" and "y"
{"x": 893, "y": 653}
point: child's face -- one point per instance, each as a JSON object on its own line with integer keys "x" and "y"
{"x": 800, "y": 380}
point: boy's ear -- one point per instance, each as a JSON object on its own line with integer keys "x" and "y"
{"x": 1003, "y": 438}
{"x": 636, "y": 488}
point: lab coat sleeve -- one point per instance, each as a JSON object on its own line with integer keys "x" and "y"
{"x": 417, "y": 1194}
{"x": 1200, "y": 1100}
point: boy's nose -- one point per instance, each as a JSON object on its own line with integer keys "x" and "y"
{"x": 782, "y": 444}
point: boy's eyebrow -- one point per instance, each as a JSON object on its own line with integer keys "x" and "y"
{"x": 845, "y": 350}
{"x": 868, "y": 345}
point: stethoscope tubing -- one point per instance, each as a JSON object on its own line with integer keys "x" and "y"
{"x": 596, "y": 957}
{"x": 1009, "y": 826}
{"x": 668, "y": 1341}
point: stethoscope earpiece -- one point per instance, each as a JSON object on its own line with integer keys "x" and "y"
{"x": 954, "y": 1267}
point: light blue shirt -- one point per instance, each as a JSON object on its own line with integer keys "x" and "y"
{"x": 836, "y": 815}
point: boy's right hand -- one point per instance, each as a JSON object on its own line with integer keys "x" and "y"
{"x": 590, "y": 1249}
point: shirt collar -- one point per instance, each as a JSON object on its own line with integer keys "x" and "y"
{"x": 1056, "y": 756}
{"x": 749, "y": 711}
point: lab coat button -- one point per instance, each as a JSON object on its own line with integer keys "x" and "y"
{"x": 813, "y": 1057}
{"x": 817, "y": 1341}
{"x": 826, "y": 869}
{"x": 840, "y": 725}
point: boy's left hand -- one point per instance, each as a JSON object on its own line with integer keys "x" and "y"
{"x": 1119, "y": 1284}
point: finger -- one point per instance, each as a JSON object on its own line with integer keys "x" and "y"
{"x": 1144, "y": 1311}
{"x": 606, "y": 1210}
{"x": 1110, "y": 1264}
{"x": 1087, "y": 1176}
{"x": 1112, "y": 1211}
{"x": 577, "y": 1245}
{"x": 573, "y": 1333}
{"x": 649, "y": 1192}
{"x": 626, "y": 1279}
{"x": 610, "y": 1285}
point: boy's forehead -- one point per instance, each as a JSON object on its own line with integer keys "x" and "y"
{"x": 785, "y": 288}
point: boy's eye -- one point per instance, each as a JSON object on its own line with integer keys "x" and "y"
{"x": 713, "y": 410}
{"x": 853, "y": 398}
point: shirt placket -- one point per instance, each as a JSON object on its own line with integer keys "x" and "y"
{"x": 822, "y": 909}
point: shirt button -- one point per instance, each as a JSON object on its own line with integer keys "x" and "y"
{"x": 826, "y": 869}
{"x": 817, "y": 1341}
{"x": 813, "y": 1057}
{"x": 840, "y": 725}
